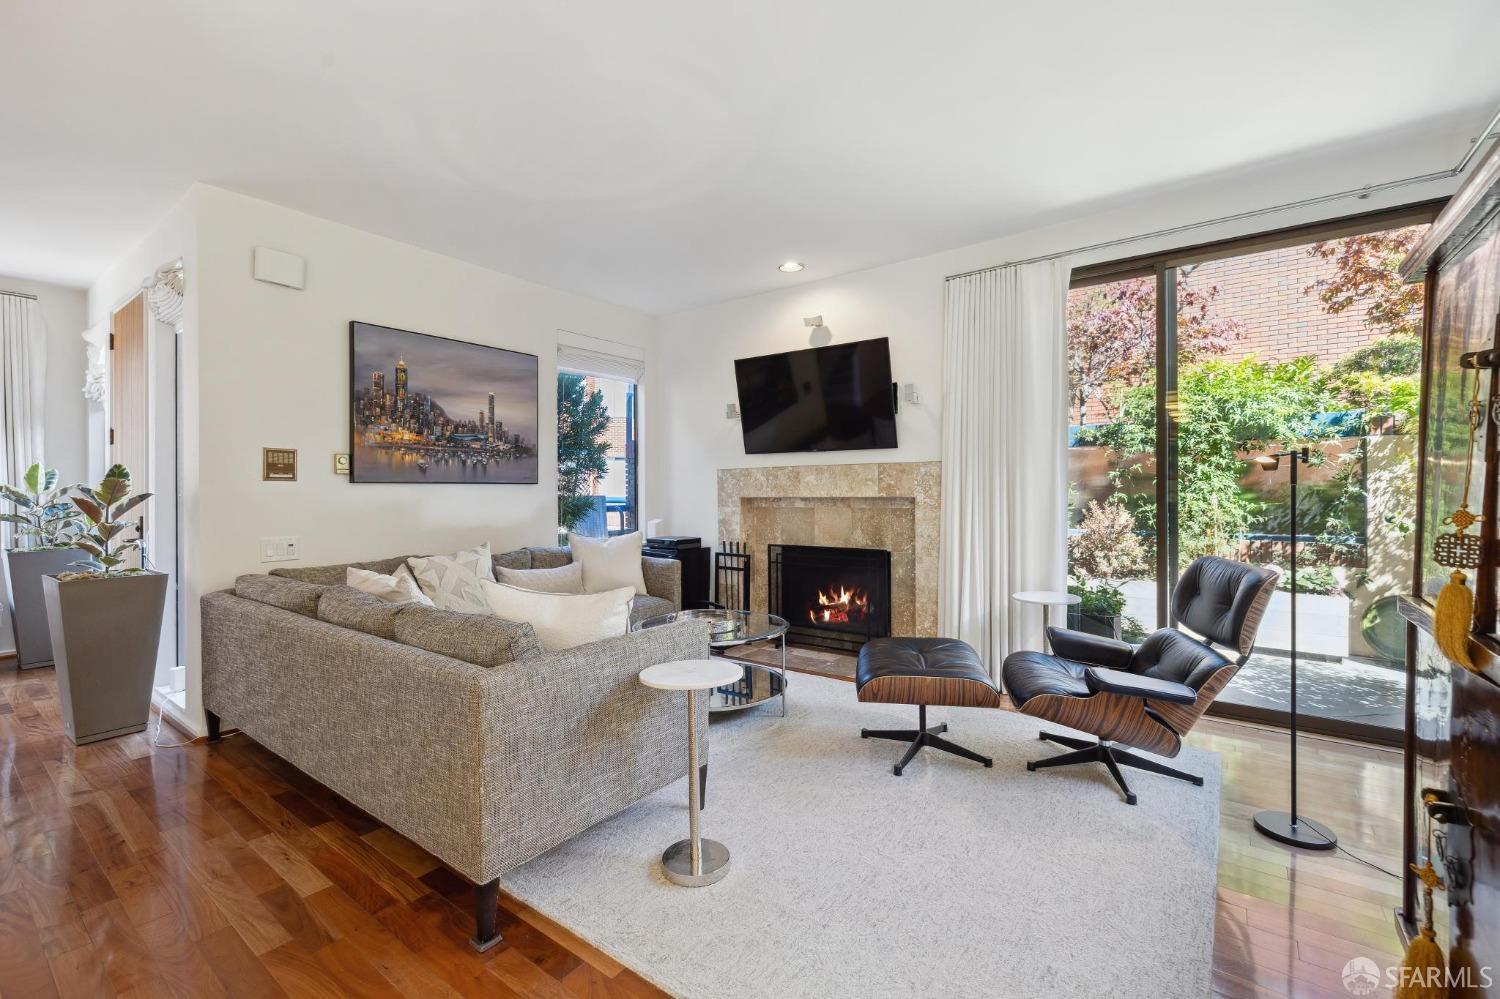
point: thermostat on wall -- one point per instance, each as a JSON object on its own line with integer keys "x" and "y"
{"x": 276, "y": 267}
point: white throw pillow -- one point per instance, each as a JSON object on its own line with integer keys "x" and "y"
{"x": 559, "y": 579}
{"x": 451, "y": 582}
{"x": 609, "y": 562}
{"x": 397, "y": 588}
{"x": 562, "y": 620}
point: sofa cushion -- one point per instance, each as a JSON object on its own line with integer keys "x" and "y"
{"x": 518, "y": 559}
{"x": 481, "y": 639}
{"x": 562, "y": 579}
{"x": 349, "y": 608}
{"x": 288, "y": 594}
{"x": 334, "y": 575}
{"x": 549, "y": 558}
{"x": 643, "y": 607}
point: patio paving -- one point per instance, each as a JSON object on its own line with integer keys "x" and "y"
{"x": 1351, "y": 690}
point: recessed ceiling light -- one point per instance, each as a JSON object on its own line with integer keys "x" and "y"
{"x": 790, "y": 267}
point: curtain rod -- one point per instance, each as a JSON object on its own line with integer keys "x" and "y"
{"x": 1357, "y": 192}
{"x": 18, "y": 294}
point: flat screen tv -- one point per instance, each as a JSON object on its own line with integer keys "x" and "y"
{"x": 836, "y": 398}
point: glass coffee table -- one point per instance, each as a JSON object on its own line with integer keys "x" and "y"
{"x": 728, "y": 629}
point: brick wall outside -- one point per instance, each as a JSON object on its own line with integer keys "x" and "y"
{"x": 1265, "y": 292}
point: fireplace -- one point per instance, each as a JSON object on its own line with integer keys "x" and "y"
{"x": 832, "y": 598}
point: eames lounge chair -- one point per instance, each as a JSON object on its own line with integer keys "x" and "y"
{"x": 1147, "y": 696}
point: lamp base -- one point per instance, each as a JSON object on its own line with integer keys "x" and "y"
{"x": 1301, "y": 831}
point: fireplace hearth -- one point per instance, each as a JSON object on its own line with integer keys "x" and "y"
{"x": 832, "y": 598}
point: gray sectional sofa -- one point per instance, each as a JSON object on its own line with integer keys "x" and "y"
{"x": 456, "y": 730}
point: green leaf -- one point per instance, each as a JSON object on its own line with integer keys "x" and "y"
{"x": 130, "y": 504}
{"x": 113, "y": 489}
{"x": 109, "y": 561}
{"x": 33, "y": 478}
{"x": 17, "y": 497}
{"x": 89, "y": 547}
{"x": 15, "y": 518}
{"x": 49, "y": 480}
{"x": 88, "y": 564}
{"x": 90, "y": 509}
{"x": 111, "y": 530}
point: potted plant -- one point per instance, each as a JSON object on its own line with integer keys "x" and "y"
{"x": 1103, "y": 548}
{"x": 105, "y": 619}
{"x": 45, "y": 525}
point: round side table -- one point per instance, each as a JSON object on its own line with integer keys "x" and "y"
{"x": 1046, "y": 599}
{"x": 693, "y": 862}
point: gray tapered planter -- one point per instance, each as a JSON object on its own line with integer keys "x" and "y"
{"x": 105, "y": 632}
{"x": 28, "y": 609}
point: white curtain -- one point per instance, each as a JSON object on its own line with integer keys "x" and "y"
{"x": 1005, "y": 437}
{"x": 23, "y": 368}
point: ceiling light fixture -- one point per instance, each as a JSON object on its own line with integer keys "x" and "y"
{"x": 790, "y": 267}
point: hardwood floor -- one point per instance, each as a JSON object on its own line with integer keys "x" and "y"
{"x": 221, "y": 871}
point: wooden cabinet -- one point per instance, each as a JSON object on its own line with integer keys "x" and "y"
{"x": 1453, "y": 714}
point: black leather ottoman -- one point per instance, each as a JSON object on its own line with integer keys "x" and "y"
{"x": 923, "y": 671}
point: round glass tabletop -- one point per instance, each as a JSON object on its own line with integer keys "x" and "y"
{"x": 726, "y": 628}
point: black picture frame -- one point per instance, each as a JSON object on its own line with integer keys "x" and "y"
{"x": 420, "y": 442}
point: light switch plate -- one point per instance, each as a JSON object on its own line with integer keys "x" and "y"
{"x": 341, "y": 464}
{"x": 280, "y": 549}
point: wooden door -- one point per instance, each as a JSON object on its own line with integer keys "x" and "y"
{"x": 129, "y": 423}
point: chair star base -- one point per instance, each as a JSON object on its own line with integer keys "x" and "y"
{"x": 1111, "y": 756}
{"x": 923, "y": 736}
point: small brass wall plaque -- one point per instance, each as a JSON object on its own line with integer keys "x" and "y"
{"x": 279, "y": 464}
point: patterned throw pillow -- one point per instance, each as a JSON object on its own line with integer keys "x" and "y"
{"x": 563, "y": 579}
{"x": 451, "y": 582}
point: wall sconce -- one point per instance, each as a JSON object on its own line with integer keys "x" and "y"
{"x": 821, "y": 336}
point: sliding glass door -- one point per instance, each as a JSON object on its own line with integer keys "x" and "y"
{"x": 1300, "y": 342}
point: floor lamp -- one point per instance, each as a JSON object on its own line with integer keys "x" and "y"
{"x": 1290, "y": 827}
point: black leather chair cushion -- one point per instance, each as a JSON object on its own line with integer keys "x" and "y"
{"x": 1171, "y": 655}
{"x": 1115, "y": 681}
{"x": 1029, "y": 674}
{"x": 1223, "y": 600}
{"x": 944, "y": 671}
{"x": 1080, "y": 646}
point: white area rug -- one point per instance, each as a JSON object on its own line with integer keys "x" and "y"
{"x": 952, "y": 880}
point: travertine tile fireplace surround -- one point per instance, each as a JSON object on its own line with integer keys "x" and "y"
{"x": 890, "y": 505}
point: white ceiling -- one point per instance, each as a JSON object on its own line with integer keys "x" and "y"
{"x": 668, "y": 153}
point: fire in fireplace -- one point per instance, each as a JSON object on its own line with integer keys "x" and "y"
{"x": 832, "y": 598}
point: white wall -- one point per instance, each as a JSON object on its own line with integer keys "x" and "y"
{"x": 274, "y": 371}
{"x": 269, "y": 366}
{"x": 64, "y": 439}
{"x": 904, "y": 301}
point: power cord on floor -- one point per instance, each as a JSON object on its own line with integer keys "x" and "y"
{"x": 1354, "y": 856}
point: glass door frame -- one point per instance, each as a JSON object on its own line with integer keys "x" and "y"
{"x": 1163, "y": 265}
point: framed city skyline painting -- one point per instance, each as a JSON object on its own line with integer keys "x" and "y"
{"x": 428, "y": 409}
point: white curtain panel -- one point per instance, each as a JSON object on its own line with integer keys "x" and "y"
{"x": 1005, "y": 456}
{"x": 23, "y": 368}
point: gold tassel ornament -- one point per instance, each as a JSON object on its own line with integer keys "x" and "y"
{"x": 1453, "y": 614}
{"x": 1451, "y": 617}
{"x": 1423, "y": 973}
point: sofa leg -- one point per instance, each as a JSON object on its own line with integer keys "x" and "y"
{"x": 703, "y": 786}
{"x": 213, "y": 726}
{"x": 486, "y": 902}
